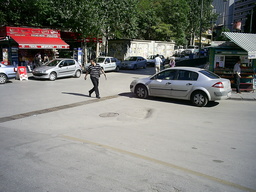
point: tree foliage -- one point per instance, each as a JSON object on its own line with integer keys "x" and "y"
{"x": 166, "y": 20}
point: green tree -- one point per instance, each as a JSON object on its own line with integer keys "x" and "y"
{"x": 200, "y": 16}
{"x": 147, "y": 18}
{"x": 117, "y": 18}
{"x": 163, "y": 20}
{"x": 166, "y": 20}
{"x": 174, "y": 14}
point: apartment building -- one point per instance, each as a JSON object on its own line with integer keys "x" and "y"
{"x": 224, "y": 9}
{"x": 233, "y": 13}
{"x": 242, "y": 8}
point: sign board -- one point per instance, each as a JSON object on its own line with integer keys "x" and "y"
{"x": 32, "y": 32}
{"x": 22, "y": 72}
{"x": 5, "y": 56}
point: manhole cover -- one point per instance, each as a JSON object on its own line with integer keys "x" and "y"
{"x": 109, "y": 114}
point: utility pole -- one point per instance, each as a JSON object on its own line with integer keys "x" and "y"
{"x": 200, "y": 33}
{"x": 251, "y": 20}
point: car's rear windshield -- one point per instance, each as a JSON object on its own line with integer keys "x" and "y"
{"x": 131, "y": 59}
{"x": 100, "y": 60}
{"x": 209, "y": 74}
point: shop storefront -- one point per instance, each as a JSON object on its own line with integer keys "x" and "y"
{"x": 77, "y": 45}
{"x": 223, "y": 57}
{"x": 21, "y": 46}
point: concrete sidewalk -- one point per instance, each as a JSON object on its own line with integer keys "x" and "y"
{"x": 249, "y": 96}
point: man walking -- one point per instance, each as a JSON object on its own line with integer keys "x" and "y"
{"x": 237, "y": 76}
{"x": 158, "y": 62}
{"x": 94, "y": 70}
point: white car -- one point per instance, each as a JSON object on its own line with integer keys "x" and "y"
{"x": 151, "y": 60}
{"x": 106, "y": 63}
{"x": 188, "y": 83}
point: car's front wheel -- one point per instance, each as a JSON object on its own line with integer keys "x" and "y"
{"x": 53, "y": 76}
{"x": 141, "y": 91}
{"x": 3, "y": 78}
{"x": 117, "y": 68}
{"x": 199, "y": 98}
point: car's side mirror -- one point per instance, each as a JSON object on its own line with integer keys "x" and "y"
{"x": 61, "y": 65}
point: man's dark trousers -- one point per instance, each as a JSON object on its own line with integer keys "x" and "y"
{"x": 95, "y": 82}
{"x": 237, "y": 83}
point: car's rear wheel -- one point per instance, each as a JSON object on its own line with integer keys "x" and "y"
{"x": 3, "y": 78}
{"x": 135, "y": 67}
{"x": 78, "y": 73}
{"x": 199, "y": 98}
{"x": 141, "y": 91}
{"x": 53, "y": 76}
{"x": 117, "y": 68}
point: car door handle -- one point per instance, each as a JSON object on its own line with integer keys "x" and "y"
{"x": 168, "y": 83}
{"x": 189, "y": 84}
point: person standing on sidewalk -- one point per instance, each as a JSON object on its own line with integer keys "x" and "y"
{"x": 158, "y": 62}
{"x": 172, "y": 62}
{"x": 95, "y": 70}
{"x": 237, "y": 76}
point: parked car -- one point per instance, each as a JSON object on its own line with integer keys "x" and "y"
{"x": 151, "y": 60}
{"x": 107, "y": 63}
{"x": 188, "y": 83}
{"x": 134, "y": 62}
{"x": 57, "y": 68}
{"x": 7, "y": 72}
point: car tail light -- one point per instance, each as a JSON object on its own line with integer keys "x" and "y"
{"x": 15, "y": 69}
{"x": 218, "y": 85}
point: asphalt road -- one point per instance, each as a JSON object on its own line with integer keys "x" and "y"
{"x": 54, "y": 138}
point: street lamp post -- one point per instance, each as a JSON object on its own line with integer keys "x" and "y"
{"x": 224, "y": 12}
{"x": 251, "y": 20}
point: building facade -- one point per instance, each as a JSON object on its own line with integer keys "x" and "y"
{"x": 224, "y": 9}
{"x": 242, "y": 8}
{"x": 232, "y": 14}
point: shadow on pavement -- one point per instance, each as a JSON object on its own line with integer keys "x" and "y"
{"x": 168, "y": 100}
{"x": 76, "y": 94}
{"x": 148, "y": 71}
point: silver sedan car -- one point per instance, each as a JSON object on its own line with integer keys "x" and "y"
{"x": 134, "y": 62}
{"x": 56, "y": 68}
{"x": 7, "y": 72}
{"x": 188, "y": 83}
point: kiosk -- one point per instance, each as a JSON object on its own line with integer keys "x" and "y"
{"x": 223, "y": 57}
{"x": 22, "y": 44}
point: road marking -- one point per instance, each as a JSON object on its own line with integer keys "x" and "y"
{"x": 221, "y": 181}
{"x": 53, "y": 109}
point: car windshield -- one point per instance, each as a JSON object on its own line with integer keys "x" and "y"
{"x": 209, "y": 74}
{"x": 131, "y": 59}
{"x": 100, "y": 60}
{"x": 52, "y": 63}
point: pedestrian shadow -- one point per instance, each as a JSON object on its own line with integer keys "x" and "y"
{"x": 168, "y": 100}
{"x": 76, "y": 94}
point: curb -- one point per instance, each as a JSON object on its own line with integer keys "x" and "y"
{"x": 242, "y": 99}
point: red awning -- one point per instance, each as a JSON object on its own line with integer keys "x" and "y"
{"x": 40, "y": 42}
